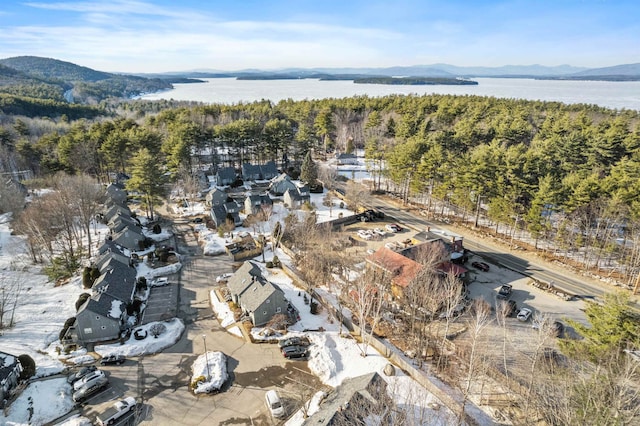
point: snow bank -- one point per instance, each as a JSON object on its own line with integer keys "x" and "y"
{"x": 40, "y": 403}
{"x": 149, "y": 345}
{"x": 217, "y": 370}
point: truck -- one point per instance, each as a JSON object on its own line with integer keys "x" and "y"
{"x": 504, "y": 292}
{"x": 119, "y": 409}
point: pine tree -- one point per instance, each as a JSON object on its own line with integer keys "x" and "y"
{"x": 309, "y": 170}
{"x": 146, "y": 179}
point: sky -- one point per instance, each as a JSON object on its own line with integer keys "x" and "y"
{"x": 166, "y": 35}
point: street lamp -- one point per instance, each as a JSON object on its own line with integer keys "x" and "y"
{"x": 206, "y": 355}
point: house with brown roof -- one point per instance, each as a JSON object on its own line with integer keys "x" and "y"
{"x": 403, "y": 267}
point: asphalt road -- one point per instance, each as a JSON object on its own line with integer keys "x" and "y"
{"x": 570, "y": 284}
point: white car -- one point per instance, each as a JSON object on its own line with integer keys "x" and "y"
{"x": 379, "y": 232}
{"x": 524, "y": 314}
{"x": 274, "y": 404}
{"x": 221, "y": 279}
{"x": 392, "y": 228}
{"x": 88, "y": 380}
{"x": 365, "y": 235}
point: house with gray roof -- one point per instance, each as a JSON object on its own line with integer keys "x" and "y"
{"x": 251, "y": 172}
{"x": 258, "y": 298}
{"x": 116, "y": 191}
{"x": 130, "y": 238}
{"x": 255, "y": 203}
{"x": 10, "y": 370}
{"x": 295, "y": 198}
{"x": 241, "y": 279}
{"x": 268, "y": 170}
{"x": 120, "y": 221}
{"x": 118, "y": 281}
{"x": 225, "y": 176}
{"x": 230, "y": 210}
{"x": 110, "y": 260}
{"x": 216, "y": 197}
{"x": 345, "y": 158}
{"x": 108, "y": 246}
{"x": 354, "y": 401}
{"x": 114, "y": 211}
{"x": 280, "y": 184}
{"x": 101, "y": 318}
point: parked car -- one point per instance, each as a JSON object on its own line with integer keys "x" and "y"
{"x": 506, "y": 307}
{"x": 295, "y": 351}
{"x": 90, "y": 389}
{"x": 392, "y": 227}
{"x": 481, "y": 265}
{"x": 116, "y": 411}
{"x": 505, "y": 291}
{"x": 112, "y": 359}
{"x": 274, "y": 404}
{"x": 524, "y": 314}
{"x": 81, "y": 373}
{"x": 379, "y": 232}
{"x": 294, "y": 341}
{"x": 364, "y": 234}
{"x": 222, "y": 279}
{"x": 89, "y": 379}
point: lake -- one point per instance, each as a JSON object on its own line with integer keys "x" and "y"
{"x": 616, "y": 95}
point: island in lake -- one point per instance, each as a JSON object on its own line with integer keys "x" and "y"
{"x": 415, "y": 81}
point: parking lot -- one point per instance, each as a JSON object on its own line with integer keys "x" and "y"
{"x": 161, "y": 381}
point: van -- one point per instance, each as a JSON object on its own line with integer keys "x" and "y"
{"x": 274, "y": 404}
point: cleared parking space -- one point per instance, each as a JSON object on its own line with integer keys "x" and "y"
{"x": 162, "y": 303}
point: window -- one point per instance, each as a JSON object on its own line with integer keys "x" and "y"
{"x": 88, "y": 331}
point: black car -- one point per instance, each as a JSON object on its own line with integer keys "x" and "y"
{"x": 294, "y": 341}
{"x": 112, "y": 359}
{"x": 505, "y": 291}
{"x": 295, "y": 351}
{"x": 74, "y": 377}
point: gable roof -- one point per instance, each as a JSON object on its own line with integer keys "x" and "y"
{"x": 117, "y": 282}
{"x": 258, "y": 291}
{"x": 129, "y": 238}
{"x": 103, "y": 304}
{"x": 402, "y": 269}
{"x": 268, "y": 170}
{"x": 335, "y": 408}
{"x": 216, "y": 197}
{"x": 111, "y": 260}
{"x": 226, "y": 174}
{"x": 259, "y": 199}
{"x": 108, "y": 246}
{"x": 250, "y": 171}
{"x": 242, "y": 278}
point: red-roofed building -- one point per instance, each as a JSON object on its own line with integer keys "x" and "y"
{"x": 403, "y": 269}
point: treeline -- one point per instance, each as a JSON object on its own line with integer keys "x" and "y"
{"x": 415, "y": 81}
{"x": 569, "y": 173}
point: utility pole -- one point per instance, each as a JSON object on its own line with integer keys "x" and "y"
{"x": 206, "y": 355}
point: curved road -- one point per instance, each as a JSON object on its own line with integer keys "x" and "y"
{"x": 567, "y": 282}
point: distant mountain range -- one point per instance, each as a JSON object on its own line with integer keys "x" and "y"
{"x": 624, "y": 72}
